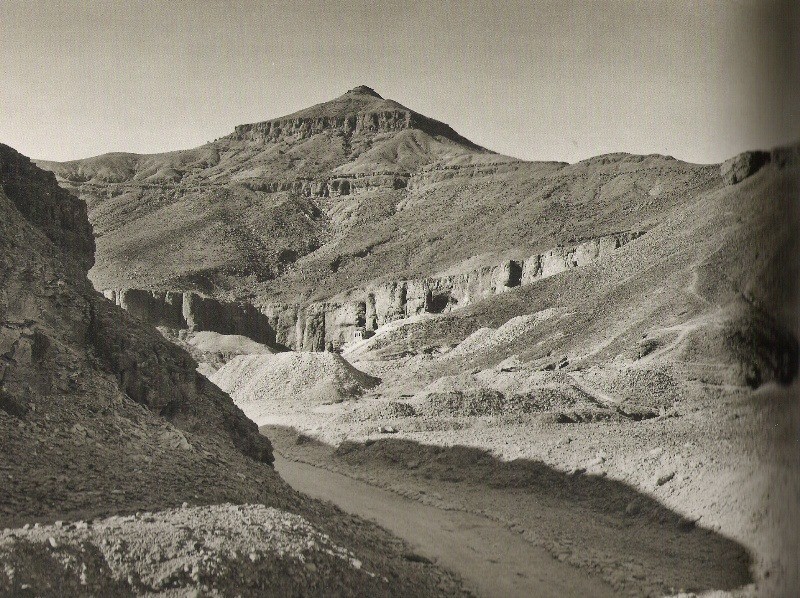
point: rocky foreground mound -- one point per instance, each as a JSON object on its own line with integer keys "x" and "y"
{"x": 234, "y": 549}
{"x": 101, "y": 418}
{"x": 263, "y": 385}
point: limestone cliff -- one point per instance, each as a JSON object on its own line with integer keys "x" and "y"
{"x": 317, "y": 326}
{"x": 361, "y": 111}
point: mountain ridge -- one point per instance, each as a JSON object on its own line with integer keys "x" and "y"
{"x": 356, "y": 123}
{"x": 337, "y": 200}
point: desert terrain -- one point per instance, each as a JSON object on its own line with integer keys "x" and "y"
{"x": 565, "y": 379}
{"x": 124, "y": 471}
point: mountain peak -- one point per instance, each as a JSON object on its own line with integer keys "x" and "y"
{"x": 360, "y": 112}
{"x": 365, "y": 90}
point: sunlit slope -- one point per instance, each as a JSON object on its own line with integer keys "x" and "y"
{"x": 709, "y": 290}
{"x": 348, "y": 192}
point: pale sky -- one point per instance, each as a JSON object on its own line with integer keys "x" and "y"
{"x": 540, "y": 80}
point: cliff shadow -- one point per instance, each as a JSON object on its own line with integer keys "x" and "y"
{"x": 605, "y": 525}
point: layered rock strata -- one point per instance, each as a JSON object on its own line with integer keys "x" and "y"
{"x": 375, "y": 116}
{"x": 323, "y": 325}
{"x": 59, "y": 338}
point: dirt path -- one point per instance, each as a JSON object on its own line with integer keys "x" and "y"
{"x": 492, "y": 560}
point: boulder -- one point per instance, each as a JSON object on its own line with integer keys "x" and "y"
{"x": 740, "y": 167}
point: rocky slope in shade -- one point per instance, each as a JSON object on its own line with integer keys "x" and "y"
{"x": 323, "y": 325}
{"x": 220, "y": 550}
{"x": 63, "y": 344}
{"x": 52, "y": 210}
{"x": 181, "y": 544}
{"x": 99, "y": 416}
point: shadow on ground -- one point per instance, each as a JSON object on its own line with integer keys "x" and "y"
{"x": 598, "y": 522}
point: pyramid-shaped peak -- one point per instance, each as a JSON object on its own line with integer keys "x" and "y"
{"x": 360, "y": 111}
{"x": 365, "y": 90}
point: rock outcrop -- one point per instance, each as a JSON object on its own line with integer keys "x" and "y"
{"x": 194, "y": 311}
{"x": 320, "y": 326}
{"x": 741, "y": 166}
{"x": 61, "y": 216}
{"x": 738, "y": 168}
{"x": 336, "y": 186}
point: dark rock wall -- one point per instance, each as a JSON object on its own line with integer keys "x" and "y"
{"x": 57, "y": 332}
{"x": 61, "y": 216}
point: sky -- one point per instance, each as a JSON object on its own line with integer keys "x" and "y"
{"x": 539, "y": 80}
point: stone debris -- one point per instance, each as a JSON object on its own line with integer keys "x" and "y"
{"x": 663, "y": 478}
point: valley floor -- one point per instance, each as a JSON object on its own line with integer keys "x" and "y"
{"x": 697, "y": 500}
{"x": 490, "y": 558}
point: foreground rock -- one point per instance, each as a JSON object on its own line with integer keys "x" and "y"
{"x": 224, "y": 550}
{"x": 740, "y": 167}
{"x": 64, "y": 345}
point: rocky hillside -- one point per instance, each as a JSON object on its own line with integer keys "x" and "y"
{"x": 50, "y": 311}
{"x": 665, "y": 367}
{"x": 346, "y": 215}
{"x": 711, "y": 291}
{"x": 457, "y": 226}
{"x": 241, "y": 210}
{"x": 100, "y": 415}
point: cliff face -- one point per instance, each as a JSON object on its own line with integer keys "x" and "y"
{"x": 193, "y": 311}
{"x": 318, "y": 326}
{"x": 57, "y": 333}
{"x": 61, "y": 216}
{"x": 296, "y": 129}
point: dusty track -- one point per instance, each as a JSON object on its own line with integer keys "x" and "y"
{"x": 493, "y": 560}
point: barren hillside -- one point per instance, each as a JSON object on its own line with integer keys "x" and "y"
{"x": 317, "y": 218}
